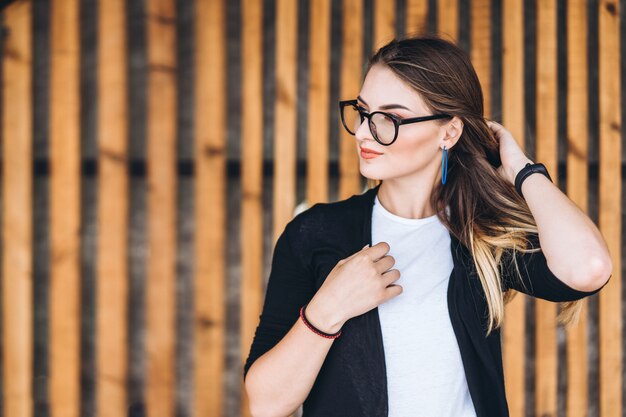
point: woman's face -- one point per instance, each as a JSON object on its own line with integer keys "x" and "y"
{"x": 417, "y": 149}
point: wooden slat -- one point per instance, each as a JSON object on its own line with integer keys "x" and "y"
{"x": 351, "y": 77}
{"x": 17, "y": 185}
{"x": 112, "y": 270}
{"x": 161, "y": 162}
{"x": 285, "y": 115}
{"x": 513, "y": 119}
{"x": 210, "y": 195}
{"x": 481, "y": 47}
{"x": 251, "y": 236}
{"x": 448, "y": 19}
{"x": 610, "y": 221}
{"x": 64, "y": 381}
{"x": 210, "y": 186}
{"x": 384, "y": 22}
{"x": 577, "y": 190}
{"x": 416, "y": 17}
{"x": 546, "y": 134}
{"x": 319, "y": 92}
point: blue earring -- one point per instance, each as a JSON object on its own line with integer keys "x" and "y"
{"x": 444, "y": 171}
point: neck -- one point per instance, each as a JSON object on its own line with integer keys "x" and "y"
{"x": 409, "y": 199}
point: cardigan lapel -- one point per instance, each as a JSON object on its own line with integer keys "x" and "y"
{"x": 366, "y": 363}
{"x": 362, "y": 342}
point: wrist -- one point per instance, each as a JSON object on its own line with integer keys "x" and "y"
{"x": 323, "y": 318}
{"x": 516, "y": 167}
{"x": 530, "y": 178}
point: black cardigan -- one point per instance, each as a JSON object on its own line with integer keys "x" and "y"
{"x": 352, "y": 379}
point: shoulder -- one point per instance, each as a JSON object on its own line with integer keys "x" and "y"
{"x": 337, "y": 223}
{"x": 327, "y": 214}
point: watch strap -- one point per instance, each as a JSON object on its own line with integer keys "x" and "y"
{"x": 527, "y": 171}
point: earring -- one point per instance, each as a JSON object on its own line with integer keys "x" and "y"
{"x": 444, "y": 171}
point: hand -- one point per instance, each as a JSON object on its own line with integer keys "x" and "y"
{"x": 354, "y": 286}
{"x": 512, "y": 156}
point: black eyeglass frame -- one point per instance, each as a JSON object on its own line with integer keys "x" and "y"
{"x": 397, "y": 122}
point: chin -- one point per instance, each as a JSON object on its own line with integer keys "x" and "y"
{"x": 372, "y": 175}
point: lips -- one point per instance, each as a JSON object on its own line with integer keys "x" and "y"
{"x": 370, "y": 151}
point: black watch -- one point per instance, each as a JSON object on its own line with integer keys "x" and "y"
{"x": 526, "y": 171}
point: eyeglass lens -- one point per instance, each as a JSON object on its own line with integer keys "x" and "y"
{"x": 381, "y": 126}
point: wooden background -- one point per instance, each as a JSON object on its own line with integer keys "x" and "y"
{"x": 153, "y": 150}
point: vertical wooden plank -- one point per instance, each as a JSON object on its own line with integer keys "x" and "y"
{"x": 285, "y": 115}
{"x": 513, "y": 328}
{"x": 161, "y": 164}
{"x": 610, "y": 221}
{"x": 416, "y": 16}
{"x": 17, "y": 227}
{"x": 448, "y": 19}
{"x": 384, "y": 22}
{"x": 210, "y": 188}
{"x": 64, "y": 388}
{"x": 319, "y": 92}
{"x": 546, "y": 105}
{"x": 481, "y": 47}
{"x": 577, "y": 189}
{"x": 351, "y": 78}
{"x": 112, "y": 248}
{"x": 251, "y": 178}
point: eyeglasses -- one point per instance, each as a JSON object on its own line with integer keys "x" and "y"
{"x": 384, "y": 126}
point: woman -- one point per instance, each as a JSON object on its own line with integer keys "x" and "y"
{"x": 410, "y": 325}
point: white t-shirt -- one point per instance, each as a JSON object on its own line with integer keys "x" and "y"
{"x": 425, "y": 375}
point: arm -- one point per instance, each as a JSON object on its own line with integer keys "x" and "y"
{"x": 537, "y": 279}
{"x": 286, "y": 357}
{"x": 573, "y": 246}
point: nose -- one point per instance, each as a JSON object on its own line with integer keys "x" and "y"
{"x": 363, "y": 132}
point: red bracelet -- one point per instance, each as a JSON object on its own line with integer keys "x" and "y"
{"x": 314, "y": 329}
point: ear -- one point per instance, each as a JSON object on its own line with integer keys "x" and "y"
{"x": 452, "y": 131}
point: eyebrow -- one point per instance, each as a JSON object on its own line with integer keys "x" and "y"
{"x": 387, "y": 106}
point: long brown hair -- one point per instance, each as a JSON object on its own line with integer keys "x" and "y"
{"x": 486, "y": 213}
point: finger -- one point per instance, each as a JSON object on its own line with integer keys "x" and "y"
{"x": 495, "y": 126}
{"x": 384, "y": 263}
{"x": 391, "y": 276}
{"x": 378, "y": 250}
{"x": 392, "y": 291}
